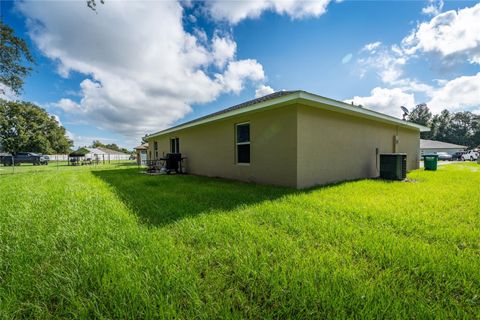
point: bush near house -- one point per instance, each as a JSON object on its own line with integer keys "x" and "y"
{"x": 118, "y": 244}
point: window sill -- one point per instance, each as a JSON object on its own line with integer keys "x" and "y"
{"x": 243, "y": 164}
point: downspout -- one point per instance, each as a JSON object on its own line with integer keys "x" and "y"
{"x": 395, "y": 140}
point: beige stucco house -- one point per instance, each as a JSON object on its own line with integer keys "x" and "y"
{"x": 290, "y": 138}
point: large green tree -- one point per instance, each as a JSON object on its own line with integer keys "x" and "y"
{"x": 463, "y": 127}
{"x": 440, "y": 126}
{"x": 27, "y": 127}
{"x": 15, "y": 59}
{"x": 460, "y": 128}
{"x": 421, "y": 115}
{"x": 111, "y": 146}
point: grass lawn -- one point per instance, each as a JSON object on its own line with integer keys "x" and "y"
{"x": 119, "y": 244}
{"x": 63, "y": 165}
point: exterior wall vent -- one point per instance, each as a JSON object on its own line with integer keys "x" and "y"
{"x": 393, "y": 166}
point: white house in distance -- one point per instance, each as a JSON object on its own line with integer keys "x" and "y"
{"x": 432, "y": 146}
{"x": 105, "y": 154}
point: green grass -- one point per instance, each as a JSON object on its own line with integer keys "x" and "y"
{"x": 63, "y": 165}
{"x": 119, "y": 244}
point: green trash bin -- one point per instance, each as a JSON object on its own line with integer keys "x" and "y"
{"x": 430, "y": 162}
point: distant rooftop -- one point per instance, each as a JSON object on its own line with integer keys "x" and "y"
{"x": 143, "y": 146}
{"x": 101, "y": 150}
{"x": 432, "y": 144}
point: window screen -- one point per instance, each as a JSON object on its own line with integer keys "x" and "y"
{"x": 155, "y": 149}
{"x": 243, "y": 143}
{"x": 175, "y": 145}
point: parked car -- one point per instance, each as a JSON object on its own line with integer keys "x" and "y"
{"x": 3, "y": 155}
{"x": 470, "y": 156}
{"x": 444, "y": 156}
{"x": 457, "y": 156}
{"x": 24, "y": 157}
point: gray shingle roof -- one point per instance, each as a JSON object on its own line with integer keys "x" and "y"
{"x": 293, "y": 95}
{"x": 235, "y": 107}
{"x": 432, "y": 144}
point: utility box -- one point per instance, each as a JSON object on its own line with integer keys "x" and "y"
{"x": 393, "y": 166}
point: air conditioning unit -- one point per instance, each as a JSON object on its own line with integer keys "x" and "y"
{"x": 393, "y": 166}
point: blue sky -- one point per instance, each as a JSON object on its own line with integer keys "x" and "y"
{"x": 138, "y": 67}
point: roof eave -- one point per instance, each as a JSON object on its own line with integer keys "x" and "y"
{"x": 346, "y": 108}
{"x": 290, "y": 98}
{"x": 308, "y": 98}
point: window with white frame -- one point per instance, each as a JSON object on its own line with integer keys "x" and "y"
{"x": 174, "y": 145}
{"x": 242, "y": 142}
{"x": 155, "y": 149}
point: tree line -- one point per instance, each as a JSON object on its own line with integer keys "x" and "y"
{"x": 111, "y": 146}
{"x": 461, "y": 128}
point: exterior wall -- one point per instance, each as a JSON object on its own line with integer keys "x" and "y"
{"x": 210, "y": 148}
{"x": 409, "y": 143}
{"x": 296, "y": 145}
{"x": 335, "y": 147}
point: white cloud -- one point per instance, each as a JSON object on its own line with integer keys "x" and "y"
{"x": 458, "y": 94}
{"x": 434, "y": 7}
{"x": 67, "y": 105}
{"x": 385, "y": 100}
{"x": 223, "y": 50}
{"x": 237, "y": 72}
{"x": 85, "y": 141}
{"x": 143, "y": 70}
{"x": 371, "y": 46}
{"x": 449, "y": 33}
{"x": 408, "y": 84}
{"x": 263, "y": 90}
{"x": 386, "y": 62}
{"x": 236, "y": 11}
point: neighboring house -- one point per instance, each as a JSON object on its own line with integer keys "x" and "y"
{"x": 112, "y": 154}
{"x": 141, "y": 154}
{"x": 104, "y": 154}
{"x": 290, "y": 138}
{"x": 431, "y": 146}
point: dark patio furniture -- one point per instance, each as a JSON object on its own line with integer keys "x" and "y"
{"x": 154, "y": 165}
{"x": 172, "y": 162}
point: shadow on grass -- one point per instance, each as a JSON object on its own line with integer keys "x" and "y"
{"x": 162, "y": 199}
